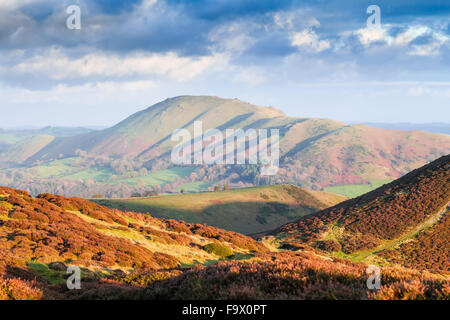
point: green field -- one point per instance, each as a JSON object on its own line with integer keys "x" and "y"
{"x": 65, "y": 169}
{"x": 160, "y": 177}
{"x": 355, "y": 190}
{"x": 247, "y": 210}
{"x": 197, "y": 186}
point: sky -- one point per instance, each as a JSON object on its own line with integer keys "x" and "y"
{"x": 307, "y": 58}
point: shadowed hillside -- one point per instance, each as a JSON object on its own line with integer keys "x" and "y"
{"x": 248, "y": 210}
{"x": 38, "y": 232}
{"x": 124, "y": 255}
{"x": 404, "y": 222}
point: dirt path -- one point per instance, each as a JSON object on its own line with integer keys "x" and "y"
{"x": 432, "y": 220}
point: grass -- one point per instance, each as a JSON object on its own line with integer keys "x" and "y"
{"x": 218, "y": 249}
{"x": 65, "y": 169}
{"x": 355, "y": 190}
{"x": 246, "y": 210}
{"x": 96, "y": 174}
{"x": 43, "y": 271}
{"x": 184, "y": 254}
{"x": 161, "y": 177}
{"x": 197, "y": 186}
{"x": 57, "y": 168}
{"x": 59, "y": 277}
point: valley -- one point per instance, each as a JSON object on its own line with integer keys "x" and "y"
{"x": 245, "y": 210}
{"x": 402, "y": 227}
{"x": 134, "y": 155}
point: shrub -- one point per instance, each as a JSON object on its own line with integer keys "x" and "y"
{"x": 16, "y": 289}
{"x": 328, "y": 245}
{"x": 218, "y": 249}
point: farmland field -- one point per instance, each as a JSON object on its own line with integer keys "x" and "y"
{"x": 355, "y": 190}
{"x": 247, "y": 210}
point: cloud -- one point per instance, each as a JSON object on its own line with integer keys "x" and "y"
{"x": 10, "y": 5}
{"x": 410, "y": 34}
{"x": 418, "y": 40}
{"x": 55, "y": 65}
{"x": 308, "y": 40}
{"x": 234, "y": 37}
{"x": 368, "y": 36}
{"x": 295, "y": 19}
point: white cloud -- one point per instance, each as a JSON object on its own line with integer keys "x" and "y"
{"x": 55, "y": 65}
{"x": 9, "y": 5}
{"x": 368, "y": 36}
{"x": 60, "y": 93}
{"x": 410, "y": 34}
{"x": 295, "y": 20}
{"x": 432, "y": 48}
{"x": 308, "y": 39}
{"x": 233, "y": 38}
{"x": 405, "y": 39}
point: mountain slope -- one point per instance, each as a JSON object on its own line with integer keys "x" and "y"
{"x": 399, "y": 221}
{"x": 315, "y": 153}
{"x": 26, "y": 148}
{"x": 147, "y": 133}
{"x": 36, "y": 232}
{"x": 125, "y": 255}
{"x": 247, "y": 210}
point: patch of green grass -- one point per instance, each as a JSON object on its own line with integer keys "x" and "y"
{"x": 57, "y": 168}
{"x": 355, "y": 190}
{"x": 96, "y": 174}
{"x": 161, "y": 177}
{"x": 43, "y": 271}
{"x": 58, "y": 277}
{"x": 219, "y": 250}
{"x": 246, "y": 210}
{"x": 197, "y": 186}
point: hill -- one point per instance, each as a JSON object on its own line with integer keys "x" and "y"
{"x": 37, "y": 232}
{"x": 25, "y": 148}
{"x": 18, "y": 145}
{"x": 404, "y": 222}
{"x": 247, "y": 210}
{"x": 430, "y": 127}
{"x": 315, "y": 153}
{"x": 124, "y": 255}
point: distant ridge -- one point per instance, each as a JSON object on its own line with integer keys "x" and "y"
{"x": 315, "y": 153}
{"x": 443, "y": 128}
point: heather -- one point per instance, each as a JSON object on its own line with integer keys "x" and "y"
{"x": 404, "y": 222}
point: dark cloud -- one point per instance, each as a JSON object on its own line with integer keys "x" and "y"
{"x": 184, "y": 26}
{"x": 199, "y": 28}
